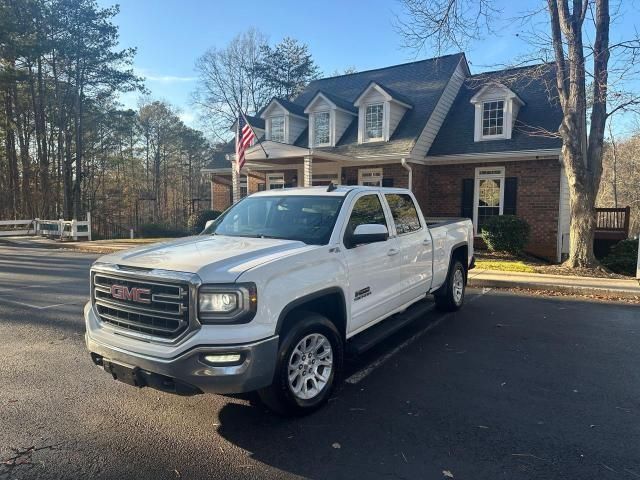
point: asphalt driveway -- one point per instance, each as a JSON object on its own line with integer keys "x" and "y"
{"x": 512, "y": 387}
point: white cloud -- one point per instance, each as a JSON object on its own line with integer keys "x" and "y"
{"x": 188, "y": 118}
{"x": 153, "y": 77}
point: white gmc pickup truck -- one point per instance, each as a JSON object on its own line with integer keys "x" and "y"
{"x": 271, "y": 294}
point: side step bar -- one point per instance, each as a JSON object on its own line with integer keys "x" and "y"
{"x": 387, "y": 327}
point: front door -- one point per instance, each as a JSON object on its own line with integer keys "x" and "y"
{"x": 371, "y": 266}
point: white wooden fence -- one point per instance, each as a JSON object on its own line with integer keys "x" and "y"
{"x": 63, "y": 229}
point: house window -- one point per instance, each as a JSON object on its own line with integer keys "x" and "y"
{"x": 320, "y": 179}
{"x": 244, "y": 191}
{"x": 373, "y": 121}
{"x": 493, "y": 118}
{"x": 277, "y": 129}
{"x": 370, "y": 177}
{"x": 489, "y": 196}
{"x": 321, "y": 132}
{"x": 275, "y": 180}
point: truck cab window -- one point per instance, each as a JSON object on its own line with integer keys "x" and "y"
{"x": 404, "y": 213}
{"x": 367, "y": 210}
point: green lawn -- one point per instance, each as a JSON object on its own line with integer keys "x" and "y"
{"x": 505, "y": 265}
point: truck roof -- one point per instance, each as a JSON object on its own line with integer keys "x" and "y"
{"x": 339, "y": 191}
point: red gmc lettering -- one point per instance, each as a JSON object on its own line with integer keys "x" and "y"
{"x": 140, "y": 295}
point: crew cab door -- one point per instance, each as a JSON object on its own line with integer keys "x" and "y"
{"x": 414, "y": 241}
{"x": 371, "y": 266}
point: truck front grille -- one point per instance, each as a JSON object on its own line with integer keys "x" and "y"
{"x": 154, "y": 308}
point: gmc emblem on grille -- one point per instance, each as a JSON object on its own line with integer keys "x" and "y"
{"x": 140, "y": 295}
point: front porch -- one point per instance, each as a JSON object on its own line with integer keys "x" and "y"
{"x": 291, "y": 166}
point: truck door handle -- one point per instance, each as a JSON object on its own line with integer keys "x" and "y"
{"x": 393, "y": 251}
{"x": 426, "y": 241}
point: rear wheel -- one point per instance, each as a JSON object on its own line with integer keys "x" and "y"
{"x": 451, "y": 296}
{"x": 308, "y": 367}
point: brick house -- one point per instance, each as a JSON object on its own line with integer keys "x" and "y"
{"x": 466, "y": 145}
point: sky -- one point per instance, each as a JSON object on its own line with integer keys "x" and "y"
{"x": 171, "y": 34}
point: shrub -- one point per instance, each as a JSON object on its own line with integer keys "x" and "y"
{"x": 505, "y": 233}
{"x": 198, "y": 220}
{"x": 622, "y": 257}
{"x": 159, "y": 230}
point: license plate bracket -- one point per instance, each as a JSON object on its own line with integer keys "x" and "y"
{"x": 124, "y": 373}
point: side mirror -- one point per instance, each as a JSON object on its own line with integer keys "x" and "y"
{"x": 369, "y": 233}
{"x": 208, "y": 224}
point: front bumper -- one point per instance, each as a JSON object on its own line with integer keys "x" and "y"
{"x": 189, "y": 373}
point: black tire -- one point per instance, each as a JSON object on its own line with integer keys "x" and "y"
{"x": 279, "y": 396}
{"x": 449, "y": 298}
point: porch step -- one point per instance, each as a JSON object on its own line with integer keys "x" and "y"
{"x": 376, "y": 334}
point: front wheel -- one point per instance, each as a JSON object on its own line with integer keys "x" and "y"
{"x": 451, "y": 296}
{"x": 308, "y": 367}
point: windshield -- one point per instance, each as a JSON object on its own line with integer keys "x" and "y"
{"x": 309, "y": 219}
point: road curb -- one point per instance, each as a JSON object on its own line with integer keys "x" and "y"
{"x": 576, "y": 289}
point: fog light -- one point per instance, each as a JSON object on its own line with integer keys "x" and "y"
{"x": 223, "y": 358}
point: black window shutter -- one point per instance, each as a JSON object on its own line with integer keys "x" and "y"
{"x": 510, "y": 195}
{"x": 387, "y": 182}
{"x": 467, "y": 198}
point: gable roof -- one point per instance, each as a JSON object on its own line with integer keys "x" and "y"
{"x": 534, "y": 85}
{"x": 218, "y": 159}
{"x": 255, "y": 122}
{"x": 337, "y": 101}
{"x": 290, "y": 107}
{"x": 421, "y": 83}
{"x": 390, "y": 92}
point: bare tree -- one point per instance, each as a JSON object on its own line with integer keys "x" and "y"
{"x": 229, "y": 80}
{"x": 621, "y": 175}
{"x": 585, "y": 79}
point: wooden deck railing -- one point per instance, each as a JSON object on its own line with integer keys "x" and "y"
{"x": 612, "y": 223}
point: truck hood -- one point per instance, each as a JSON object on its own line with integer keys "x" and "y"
{"x": 220, "y": 259}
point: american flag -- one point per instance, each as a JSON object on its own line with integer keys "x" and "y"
{"x": 244, "y": 138}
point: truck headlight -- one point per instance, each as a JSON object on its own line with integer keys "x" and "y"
{"x": 234, "y": 303}
{"x": 211, "y": 302}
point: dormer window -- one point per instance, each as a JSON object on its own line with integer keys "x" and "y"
{"x": 496, "y": 110}
{"x": 380, "y": 110}
{"x": 329, "y": 117}
{"x": 277, "y": 128}
{"x": 374, "y": 121}
{"x": 493, "y": 118}
{"x": 321, "y": 129}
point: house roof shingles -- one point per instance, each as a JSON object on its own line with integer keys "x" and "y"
{"x": 540, "y": 113}
{"x": 421, "y": 83}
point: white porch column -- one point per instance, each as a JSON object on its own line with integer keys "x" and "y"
{"x": 307, "y": 171}
{"x": 235, "y": 182}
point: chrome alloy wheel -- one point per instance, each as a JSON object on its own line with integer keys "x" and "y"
{"x": 458, "y": 286}
{"x": 310, "y": 366}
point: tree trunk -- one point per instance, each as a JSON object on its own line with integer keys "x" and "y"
{"x": 67, "y": 178}
{"x": 583, "y": 223}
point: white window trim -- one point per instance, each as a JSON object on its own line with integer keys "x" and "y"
{"x": 274, "y": 179}
{"x": 507, "y": 119}
{"x": 384, "y": 126}
{"x": 244, "y": 182}
{"x": 284, "y": 128}
{"x": 363, "y": 171}
{"x": 313, "y": 129}
{"x": 497, "y": 136}
{"x": 476, "y": 190}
